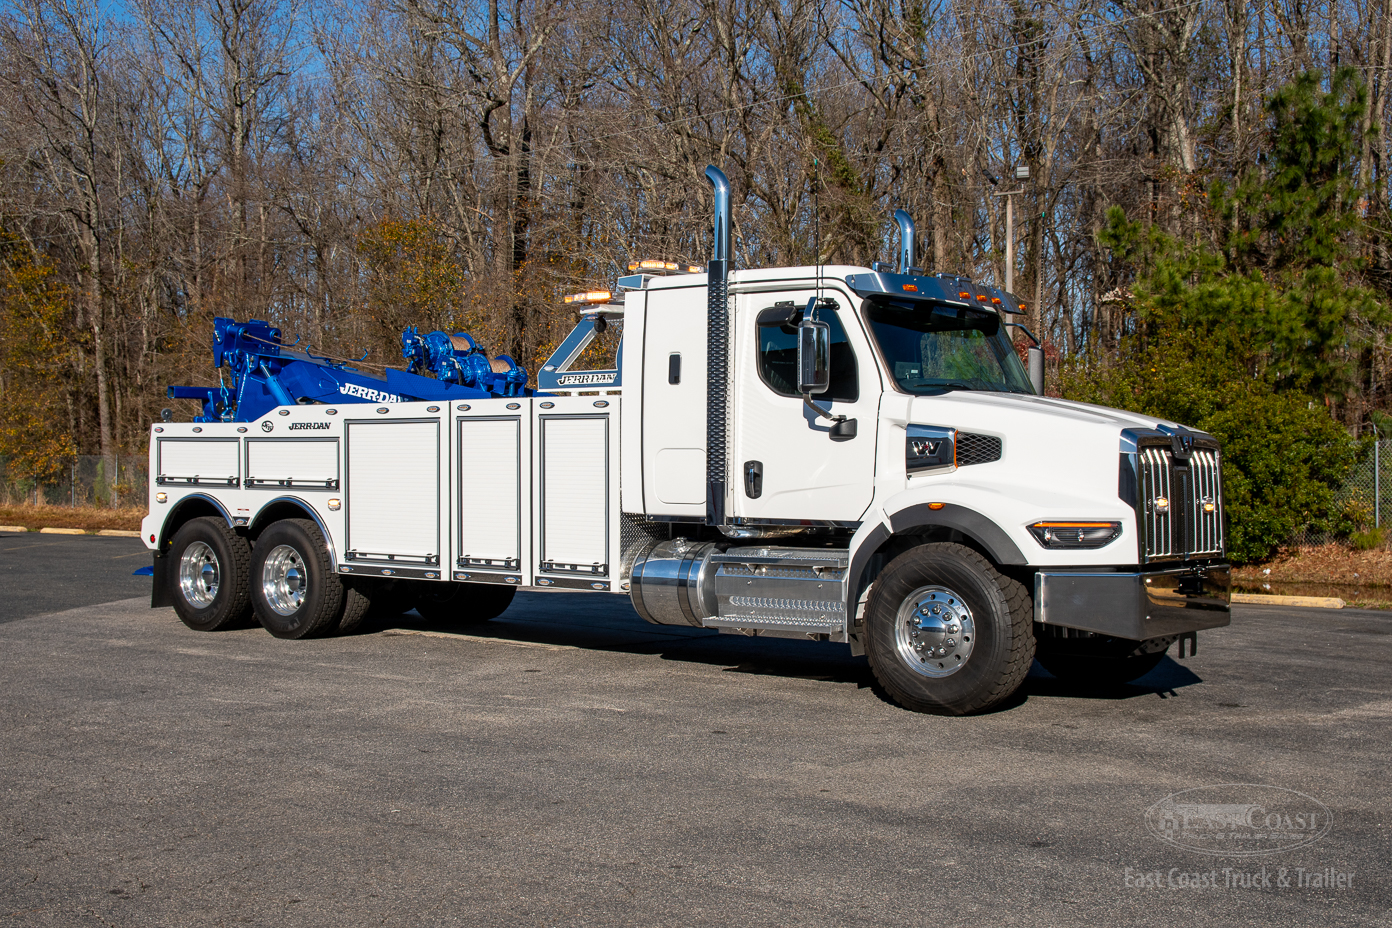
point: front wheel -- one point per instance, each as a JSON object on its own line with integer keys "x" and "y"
{"x": 948, "y": 633}
{"x": 210, "y": 575}
{"x": 294, "y": 590}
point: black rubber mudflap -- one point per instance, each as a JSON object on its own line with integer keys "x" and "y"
{"x": 161, "y": 593}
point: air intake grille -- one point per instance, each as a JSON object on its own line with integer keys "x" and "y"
{"x": 977, "y": 449}
{"x": 1181, "y": 504}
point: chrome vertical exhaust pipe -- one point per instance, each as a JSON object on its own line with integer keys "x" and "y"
{"x": 721, "y": 186}
{"x": 717, "y": 348}
{"x": 906, "y": 241}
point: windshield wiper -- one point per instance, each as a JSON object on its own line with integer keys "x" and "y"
{"x": 950, "y": 385}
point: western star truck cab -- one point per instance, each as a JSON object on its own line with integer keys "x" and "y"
{"x": 830, "y": 453}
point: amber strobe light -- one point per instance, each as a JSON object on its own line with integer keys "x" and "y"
{"x": 1075, "y": 534}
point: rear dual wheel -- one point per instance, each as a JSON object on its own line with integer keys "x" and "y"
{"x": 295, "y": 591}
{"x": 288, "y": 582}
{"x": 209, "y": 578}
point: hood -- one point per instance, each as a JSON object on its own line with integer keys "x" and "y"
{"x": 965, "y": 407}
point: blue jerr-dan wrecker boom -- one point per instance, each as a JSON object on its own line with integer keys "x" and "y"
{"x": 267, "y": 373}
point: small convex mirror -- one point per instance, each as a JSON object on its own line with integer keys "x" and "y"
{"x": 813, "y": 356}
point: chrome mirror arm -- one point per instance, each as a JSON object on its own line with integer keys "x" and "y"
{"x": 807, "y": 401}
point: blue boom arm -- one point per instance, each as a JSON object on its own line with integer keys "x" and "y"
{"x": 266, "y": 373}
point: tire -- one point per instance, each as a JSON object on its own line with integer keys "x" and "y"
{"x": 209, "y": 581}
{"x": 946, "y": 632}
{"x": 294, "y": 590}
{"x": 1099, "y": 661}
{"x": 462, "y": 603}
{"x": 357, "y": 607}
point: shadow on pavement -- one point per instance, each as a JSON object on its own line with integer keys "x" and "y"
{"x": 1163, "y": 681}
{"x": 608, "y": 623}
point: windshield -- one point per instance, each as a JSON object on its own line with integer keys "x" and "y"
{"x": 933, "y": 348}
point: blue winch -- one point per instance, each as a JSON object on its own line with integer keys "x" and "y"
{"x": 457, "y": 359}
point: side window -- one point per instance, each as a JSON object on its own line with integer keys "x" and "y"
{"x": 778, "y": 359}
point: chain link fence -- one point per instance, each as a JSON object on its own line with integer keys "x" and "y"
{"x": 1367, "y": 493}
{"x": 87, "y": 480}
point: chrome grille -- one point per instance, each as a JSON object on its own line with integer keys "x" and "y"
{"x": 1157, "y": 503}
{"x": 1207, "y": 534}
{"x": 1173, "y": 495}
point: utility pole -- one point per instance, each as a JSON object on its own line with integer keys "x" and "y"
{"x": 1021, "y": 174}
{"x": 1010, "y": 242}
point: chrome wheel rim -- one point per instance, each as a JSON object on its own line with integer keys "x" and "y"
{"x": 283, "y": 580}
{"x": 199, "y": 575}
{"x": 934, "y": 632}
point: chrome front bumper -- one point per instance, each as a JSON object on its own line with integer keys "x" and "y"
{"x": 1135, "y": 605}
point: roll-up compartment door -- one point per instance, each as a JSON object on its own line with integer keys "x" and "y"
{"x": 392, "y": 492}
{"x": 199, "y": 461}
{"x": 491, "y": 493}
{"x": 575, "y": 494}
{"x": 292, "y": 462}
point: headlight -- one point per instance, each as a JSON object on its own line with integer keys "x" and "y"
{"x": 1075, "y": 534}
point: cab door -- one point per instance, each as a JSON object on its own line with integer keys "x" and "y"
{"x": 787, "y": 466}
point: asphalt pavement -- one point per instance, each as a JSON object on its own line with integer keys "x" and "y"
{"x": 48, "y": 573}
{"x": 568, "y": 764}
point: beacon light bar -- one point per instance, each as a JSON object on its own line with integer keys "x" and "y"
{"x": 663, "y": 267}
{"x": 590, "y": 296}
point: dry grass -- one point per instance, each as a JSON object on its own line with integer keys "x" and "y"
{"x": 91, "y": 518}
{"x": 1322, "y": 564}
{"x": 1362, "y": 579}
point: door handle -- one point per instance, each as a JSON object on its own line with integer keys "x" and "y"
{"x": 753, "y": 479}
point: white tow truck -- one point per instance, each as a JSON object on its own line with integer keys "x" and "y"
{"x": 841, "y": 454}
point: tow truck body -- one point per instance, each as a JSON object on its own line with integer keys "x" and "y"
{"x": 716, "y": 478}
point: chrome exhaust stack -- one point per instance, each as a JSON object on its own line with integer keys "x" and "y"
{"x": 906, "y": 242}
{"x": 717, "y": 348}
